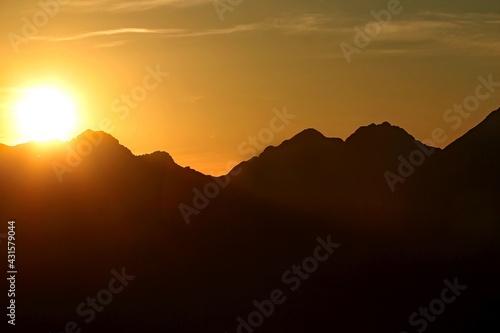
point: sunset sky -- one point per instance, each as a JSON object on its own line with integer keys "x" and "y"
{"x": 225, "y": 77}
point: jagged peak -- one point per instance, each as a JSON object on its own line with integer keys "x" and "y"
{"x": 100, "y": 141}
{"x": 379, "y": 132}
{"x": 158, "y": 155}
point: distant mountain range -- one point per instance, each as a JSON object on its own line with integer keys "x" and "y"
{"x": 202, "y": 248}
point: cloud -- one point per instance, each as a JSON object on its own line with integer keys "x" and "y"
{"x": 108, "y": 33}
{"x": 420, "y": 33}
{"x": 142, "y": 31}
{"x": 288, "y": 25}
{"x": 222, "y": 31}
{"x": 435, "y": 34}
{"x": 130, "y": 6}
{"x": 303, "y": 23}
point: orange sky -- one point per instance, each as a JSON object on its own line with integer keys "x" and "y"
{"x": 225, "y": 77}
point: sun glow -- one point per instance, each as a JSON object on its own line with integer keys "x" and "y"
{"x": 46, "y": 113}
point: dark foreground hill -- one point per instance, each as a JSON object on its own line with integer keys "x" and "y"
{"x": 377, "y": 233}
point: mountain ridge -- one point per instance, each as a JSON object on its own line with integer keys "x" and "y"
{"x": 117, "y": 210}
{"x": 306, "y": 136}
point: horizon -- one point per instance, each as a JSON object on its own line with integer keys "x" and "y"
{"x": 428, "y": 141}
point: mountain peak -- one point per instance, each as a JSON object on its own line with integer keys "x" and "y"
{"x": 101, "y": 135}
{"x": 309, "y": 133}
{"x": 99, "y": 141}
{"x": 383, "y": 133}
{"x": 160, "y": 157}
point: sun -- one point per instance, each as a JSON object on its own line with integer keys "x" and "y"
{"x": 46, "y": 113}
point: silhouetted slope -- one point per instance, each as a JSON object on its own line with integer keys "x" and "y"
{"x": 463, "y": 183}
{"x": 474, "y": 158}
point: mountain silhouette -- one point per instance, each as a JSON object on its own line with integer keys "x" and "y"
{"x": 320, "y": 173}
{"x": 205, "y": 250}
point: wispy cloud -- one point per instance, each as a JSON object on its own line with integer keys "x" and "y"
{"x": 222, "y": 31}
{"x": 176, "y": 33}
{"x": 303, "y": 23}
{"x": 422, "y": 33}
{"x": 130, "y": 6}
{"x": 108, "y": 33}
{"x": 311, "y": 22}
{"x": 436, "y": 34}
